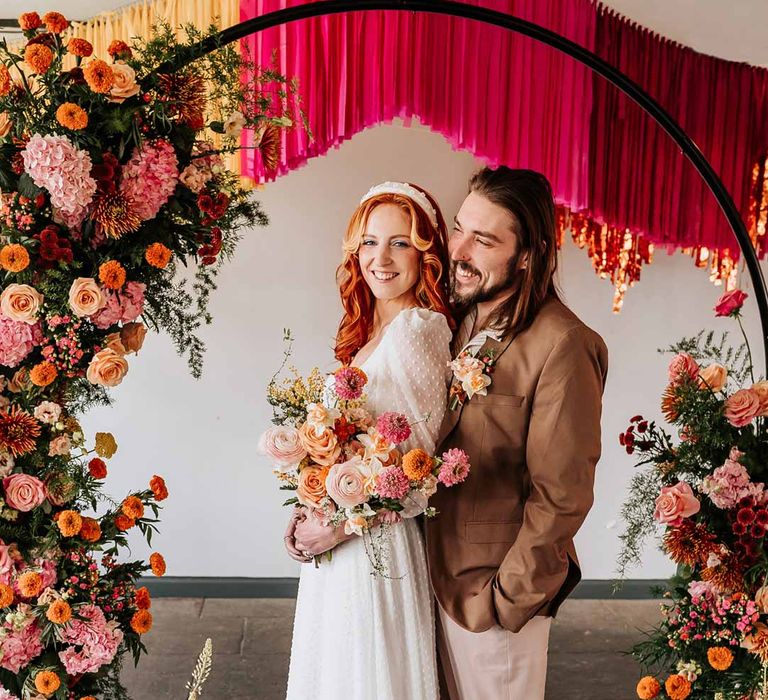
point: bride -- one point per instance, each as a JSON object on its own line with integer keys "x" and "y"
{"x": 356, "y": 635}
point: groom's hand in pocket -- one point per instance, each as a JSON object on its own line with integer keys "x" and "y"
{"x": 313, "y": 537}
{"x": 289, "y": 539}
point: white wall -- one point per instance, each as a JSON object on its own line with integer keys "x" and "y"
{"x": 224, "y": 516}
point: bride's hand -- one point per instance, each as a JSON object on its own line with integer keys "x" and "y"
{"x": 289, "y": 539}
{"x": 313, "y": 537}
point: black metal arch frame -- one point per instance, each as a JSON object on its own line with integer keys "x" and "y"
{"x": 546, "y": 36}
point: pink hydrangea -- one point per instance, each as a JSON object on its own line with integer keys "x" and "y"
{"x": 392, "y": 483}
{"x": 393, "y": 427}
{"x": 20, "y": 645}
{"x": 455, "y": 467}
{"x": 728, "y": 484}
{"x": 17, "y": 339}
{"x": 150, "y": 177}
{"x": 94, "y": 641}
{"x": 197, "y": 174}
{"x": 121, "y": 307}
{"x": 6, "y": 694}
{"x": 54, "y": 163}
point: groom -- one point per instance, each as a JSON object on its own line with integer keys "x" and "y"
{"x": 501, "y": 553}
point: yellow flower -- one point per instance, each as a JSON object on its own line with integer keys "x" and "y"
{"x": 105, "y": 445}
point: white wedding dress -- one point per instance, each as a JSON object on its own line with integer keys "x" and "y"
{"x": 362, "y": 637}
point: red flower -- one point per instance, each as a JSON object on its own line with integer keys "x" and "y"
{"x": 730, "y": 303}
{"x": 761, "y": 517}
{"x": 97, "y": 468}
{"x": 757, "y": 531}
{"x": 745, "y": 516}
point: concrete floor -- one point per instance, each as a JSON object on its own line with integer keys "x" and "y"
{"x": 252, "y": 640}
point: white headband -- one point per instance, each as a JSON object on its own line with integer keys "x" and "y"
{"x": 405, "y": 190}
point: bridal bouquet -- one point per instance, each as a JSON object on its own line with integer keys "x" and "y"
{"x": 708, "y": 492}
{"x": 346, "y": 463}
{"x": 109, "y": 181}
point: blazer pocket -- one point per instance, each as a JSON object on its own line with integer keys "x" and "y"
{"x": 481, "y": 532}
{"x": 498, "y": 399}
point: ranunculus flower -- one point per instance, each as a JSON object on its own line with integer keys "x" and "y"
{"x": 675, "y": 503}
{"x": 234, "y": 124}
{"x": 730, "y": 303}
{"x": 322, "y": 447}
{"x": 345, "y": 483}
{"x": 85, "y": 296}
{"x": 283, "y": 444}
{"x": 713, "y": 376}
{"x": 311, "y": 488}
{"x": 742, "y": 408}
{"x": 107, "y": 368}
{"x": 23, "y": 492}
{"x": 124, "y": 84}
{"x": 132, "y": 336}
{"x": 761, "y": 389}
{"x": 20, "y": 302}
{"x": 682, "y": 367}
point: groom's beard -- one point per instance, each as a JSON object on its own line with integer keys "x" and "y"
{"x": 483, "y": 292}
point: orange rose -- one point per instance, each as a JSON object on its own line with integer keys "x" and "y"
{"x": 86, "y": 297}
{"x": 323, "y": 448}
{"x": 648, "y": 688}
{"x": 311, "y": 489}
{"x": 107, "y": 368}
{"x": 132, "y": 336}
{"x": 677, "y": 687}
{"x": 114, "y": 342}
{"x": 21, "y": 302}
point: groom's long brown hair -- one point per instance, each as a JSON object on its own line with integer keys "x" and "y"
{"x": 527, "y": 195}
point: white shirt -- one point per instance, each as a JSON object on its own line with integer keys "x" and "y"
{"x": 474, "y": 343}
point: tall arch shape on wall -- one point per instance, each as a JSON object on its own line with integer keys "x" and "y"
{"x": 630, "y": 88}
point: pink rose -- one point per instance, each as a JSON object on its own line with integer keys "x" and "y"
{"x": 23, "y": 492}
{"x": 85, "y": 296}
{"x": 730, "y": 303}
{"x": 107, "y": 368}
{"x": 124, "y": 85}
{"x": 675, "y": 503}
{"x": 682, "y": 367}
{"x": 20, "y": 302}
{"x": 283, "y": 444}
{"x": 742, "y": 408}
{"x": 345, "y": 483}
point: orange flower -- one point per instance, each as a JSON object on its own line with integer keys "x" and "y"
{"x": 55, "y": 22}
{"x": 43, "y": 374}
{"x": 677, "y": 687}
{"x": 47, "y": 682}
{"x": 38, "y": 57}
{"x": 141, "y": 621}
{"x": 143, "y": 599}
{"x": 6, "y": 595}
{"x": 119, "y": 49}
{"x": 71, "y": 116}
{"x": 133, "y": 507}
{"x": 87, "y": 697}
{"x": 59, "y": 612}
{"x": 91, "y": 530}
{"x": 123, "y": 523}
{"x": 70, "y": 523}
{"x": 112, "y": 274}
{"x": 157, "y": 484}
{"x": 99, "y": 76}
{"x": 30, "y": 584}
{"x": 158, "y": 255}
{"x": 157, "y": 563}
{"x": 720, "y": 658}
{"x": 14, "y": 257}
{"x": 80, "y": 47}
{"x": 417, "y": 465}
{"x": 5, "y": 80}
{"x": 648, "y": 688}
{"x": 29, "y": 21}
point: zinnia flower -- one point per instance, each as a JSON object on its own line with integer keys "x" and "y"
{"x": 55, "y": 22}
{"x": 157, "y": 563}
{"x": 392, "y": 483}
{"x": 417, "y": 465}
{"x": 70, "y": 523}
{"x": 112, "y": 274}
{"x": 38, "y": 58}
{"x": 59, "y": 612}
{"x": 98, "y": 75}
{"x": 14, "y": 257}
{"x": 18, "y": 431}
{"x": 72, "y": 116}
{"x": 394, "y": 427}
{"x": 349, "y": 383}
{"x": 158, "y": 255}
{"x": 43, "y": 374}
{"x": 454, "y": 468}
{"x": 141, "y": 622}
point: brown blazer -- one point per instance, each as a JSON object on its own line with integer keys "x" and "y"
{"x": 501, "y": 549}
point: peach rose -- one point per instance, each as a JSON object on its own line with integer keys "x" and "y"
{"x": 5, "y": 124}
{"x": 283, "y": 444}
{"x": 86, "y": 297}
{"x": 761, "y": 598}
{"x": 713, "y": 376}
{"x": 311, "y": 489}
{"x": 742, "y": 407}
{"x": 124, "y": 85}
{"x": 132, "y": 336}
{"x": 107, "y": 368}
{"x": 20, "y": 381}
{"x": 682, "y": 367}
{"x": 675, "y": 503}
{"x": 21, "y": 302}
{"x": 322, "y": 447}
{"x": 113, "y": 342}
{"x": 346, "y": 483}
{"x": 23, "y": 492}
{"x": 761, "y": 389}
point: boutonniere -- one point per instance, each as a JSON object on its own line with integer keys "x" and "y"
{"x": 472, "y": 375}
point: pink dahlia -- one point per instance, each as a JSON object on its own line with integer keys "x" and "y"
{"x": 392, "y": 483}
{"x": 393, "y": 427}
{"x": 150, "y": 177}
{"x": 17, "y": 339}
{"x": 94, "y": 641}
{"x": 454, "y": 468}
{"x": 20, "y": 646}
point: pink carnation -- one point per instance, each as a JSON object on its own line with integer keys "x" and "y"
{"x": 54, "y": 163}
{"x": 121, "y": 307}
{"x": 349, "y": 383}
{"x": 20, "y": 646}
{"x": 393, "y": 427}
{"x": 17, "y": 339}
{"x": 150, "y": 177}
{"x": 392, "y": 483}
{"x": 728, "y": 484}
{"x": 455, "y": 467}
{"x": 98, "y": 641}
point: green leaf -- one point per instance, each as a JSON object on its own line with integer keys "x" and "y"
{"x": 217, "y": 127}
{"x": 27, "y": 188}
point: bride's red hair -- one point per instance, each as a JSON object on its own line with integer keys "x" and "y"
{"x": 356, "y": 297}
